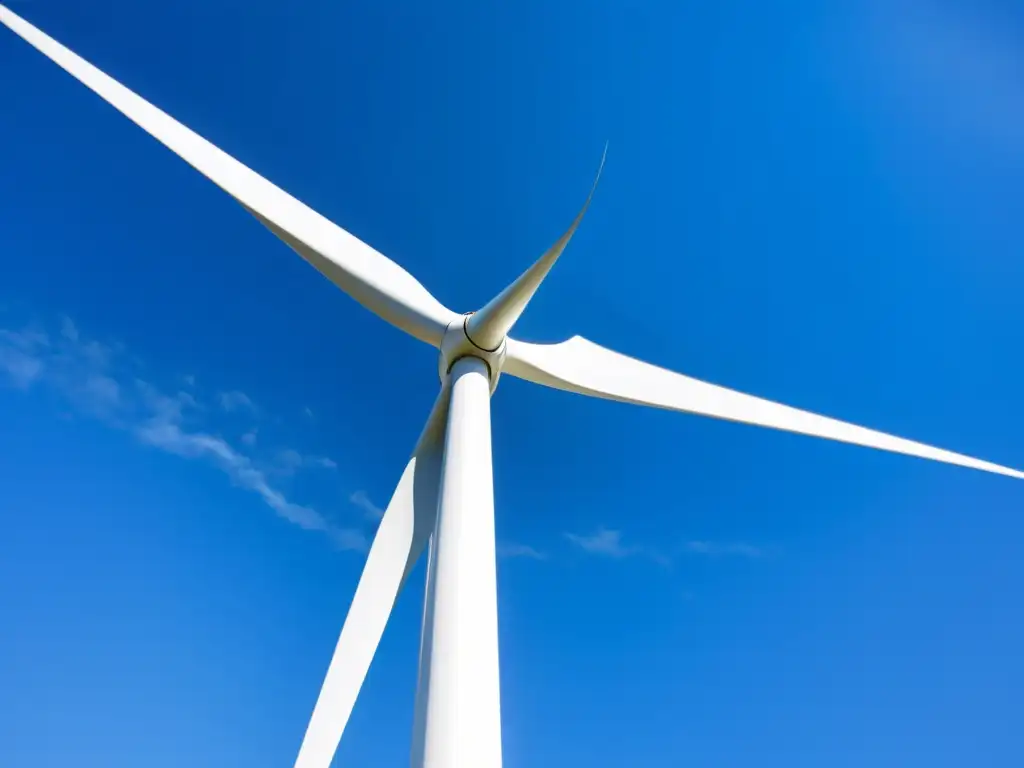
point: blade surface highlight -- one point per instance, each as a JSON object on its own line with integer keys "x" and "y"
{"x": 580, "y": 366}
{"x": 372, "y": 279}
{"x": 401, "y": 538}
{"x": 489, "y": 325}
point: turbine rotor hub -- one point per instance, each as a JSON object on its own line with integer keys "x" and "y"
{"x": 456, "y": 344}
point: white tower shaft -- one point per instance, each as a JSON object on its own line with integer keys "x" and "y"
{"x": 458, "y": 717}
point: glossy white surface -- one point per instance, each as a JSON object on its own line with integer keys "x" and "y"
{"x": 459, "y": 708}
{"x": 456, "y": 345}
{"x": 401, "y": 537}
{"x": 488, "y": 326}
{"x": 580, "y": 366}
{"x": 376, "y": 282}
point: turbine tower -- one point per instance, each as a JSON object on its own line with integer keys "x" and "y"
{"x": 444, "y": 498}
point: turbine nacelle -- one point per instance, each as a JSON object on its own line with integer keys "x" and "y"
{"x": 457, "y": 344}
{"x": 484, "y": 334}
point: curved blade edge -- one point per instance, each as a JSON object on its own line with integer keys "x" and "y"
{"x": 369, "y": 277}
{"x": 488, "y": 326}
{"x": 404, "y": 531}
{"x": 580, "y": 366}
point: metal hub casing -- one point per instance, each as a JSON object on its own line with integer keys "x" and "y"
{"x": 456, "y": 344}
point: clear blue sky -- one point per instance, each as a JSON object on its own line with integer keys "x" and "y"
{"x": 815, "y": 202}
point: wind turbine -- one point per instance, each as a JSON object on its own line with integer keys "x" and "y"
{"x": 444, "y": 498}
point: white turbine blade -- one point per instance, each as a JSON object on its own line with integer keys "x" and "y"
{"x": 367, "y": 276}
{"x": 488, "y": 326}
{"x": 401, "y": 538}
{"x": 578, "y": 365}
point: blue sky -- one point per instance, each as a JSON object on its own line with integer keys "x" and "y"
{"x": 813, "y": 202}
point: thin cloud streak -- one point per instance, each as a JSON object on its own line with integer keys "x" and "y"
{"x": 83, "y": 372}
{"x": 17, "y": 360}
{"x": 236, "y": 401}
{"x": 370, "y": 510}
{"x": 603, "y": 541}
{"x": 608, "y": 543}
{"x": 510, "y": 550}
{"x": 718, "y": 549}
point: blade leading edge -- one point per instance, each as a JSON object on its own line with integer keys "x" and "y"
{"x": 401, "y": 538}
{"x": 489, "y": 325}
{"x": 578, "y": 365}
{"x": 369, "y": 277}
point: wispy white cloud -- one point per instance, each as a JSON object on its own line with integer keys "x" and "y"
{"x": 289, "y": 461}
{"x": 609, "y": 543}
{"x": 714, "y": 549}
{"x": 18, "y": 356}
{"x": 362, "y": 500}
{"x": 76, "y": 367}
{"x": 249, "y": 438}
{"x": 236, "y": 401}
{"x": 27, "y": 339}
{"x": 154, "y": 406}
{"x": 85, "y": 374}
{"x": 169, "y": 436}
{"x": 512, "y": 550}
{"x": 68, "y": 329}
{"x": 99, "y": 393}
{"x": 603, "y": 541}
{"x": 21, "y": 369}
